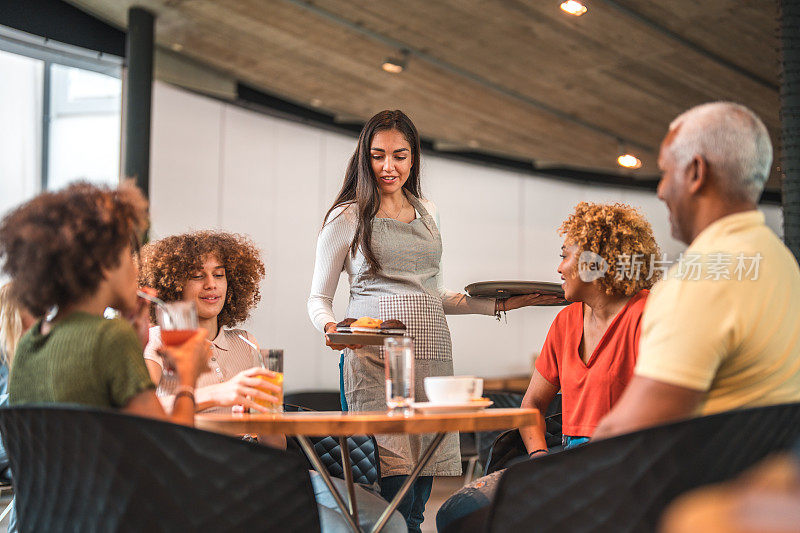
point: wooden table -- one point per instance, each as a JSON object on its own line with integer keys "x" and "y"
{"x": 507, "y": 383}
{"x": 316, "y": 423}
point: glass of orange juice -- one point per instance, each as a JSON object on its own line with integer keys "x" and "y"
{"x": 272, "y": 359}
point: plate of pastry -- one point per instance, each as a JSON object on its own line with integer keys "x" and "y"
{"x": 366, "y": 331}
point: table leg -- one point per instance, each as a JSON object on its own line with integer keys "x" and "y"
{"x": 348, "y": 478}
{"x": 308, "y": 448}
{"x": 426, "y": 457}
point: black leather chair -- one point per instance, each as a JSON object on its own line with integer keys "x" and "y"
{"x": 623, "y": 484}
{"x": 92, "y": 470}
{"x": 505, "y": 446}
{"x": 364, "y": 459}
{"x": 315, "y": 400}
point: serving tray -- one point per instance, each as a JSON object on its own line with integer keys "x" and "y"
{"x": 507, "y": 289}
{"x": 364, "y": 339}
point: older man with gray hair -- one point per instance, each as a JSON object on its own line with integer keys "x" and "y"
{"x": 722, "y": 330}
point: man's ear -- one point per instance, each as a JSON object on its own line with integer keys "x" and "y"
{"x": 697, "y": 174}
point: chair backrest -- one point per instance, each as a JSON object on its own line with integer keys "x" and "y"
{"x": 91, "y": 470}
{"x": 364, "y": 459}
{"x": 315, "y": 400}
{"x": 496, "y": 448}
{"x": 623, "y": 484}
{"x": 503, "y": 399}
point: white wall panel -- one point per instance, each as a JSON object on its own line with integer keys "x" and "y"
{"x": 295, "y": 207}
{"x": 480, "y": 212}
{"x": 246, "y": 198}
{"x": 185, "y": 161}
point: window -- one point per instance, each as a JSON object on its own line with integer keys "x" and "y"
{"x": 21, "y": 129}
{"x": 61, "y": 118}
{"x": 84, "y": 127}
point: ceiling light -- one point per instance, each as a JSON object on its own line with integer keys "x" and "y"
{"x": 177, "y": 47}
{"x": 316, "y": 102}
{"x": 573, "y": 8}
{"x": 629, "y": 161}
{"x": 396, "y": 65}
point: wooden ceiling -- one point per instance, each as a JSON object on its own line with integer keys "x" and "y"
{"x": 511, "y": 77}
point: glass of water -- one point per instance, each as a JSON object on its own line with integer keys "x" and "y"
{"x": 399, "y": 366}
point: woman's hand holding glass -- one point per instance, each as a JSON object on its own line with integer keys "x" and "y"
{"x": 189, "y": 359}
{"x": 242, "y": 389}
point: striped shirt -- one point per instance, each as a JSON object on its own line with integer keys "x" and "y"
{"x": 229, "y": 356}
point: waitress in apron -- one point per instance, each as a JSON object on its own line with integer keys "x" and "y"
{"x": 386, "y": 237}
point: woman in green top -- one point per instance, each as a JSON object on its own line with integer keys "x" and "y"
{"x": 70, "y": 255}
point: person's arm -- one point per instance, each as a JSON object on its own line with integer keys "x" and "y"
{"x": 190, "y": 359}
{"x": 333, "y": 245}
{"x": 153, "y": 360}
{"x": 647, "y": 402}
{"x": 242, "y": 389}
{"x": 539, "y": 395}
{"x": 155, "y": 370}
{"x": 146, "y": 404}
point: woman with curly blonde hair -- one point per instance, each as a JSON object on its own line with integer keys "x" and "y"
{"x": 590, "y": 351}
{"x": 220, "y": 272}
{"x": 607, "y": 268}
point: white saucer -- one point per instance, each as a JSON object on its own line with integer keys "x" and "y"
{"x": 459, "y": 407}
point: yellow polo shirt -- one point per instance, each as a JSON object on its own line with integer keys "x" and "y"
{"x": 726, "y": 318}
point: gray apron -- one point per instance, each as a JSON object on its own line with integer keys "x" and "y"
{"x": 410, "y": 257}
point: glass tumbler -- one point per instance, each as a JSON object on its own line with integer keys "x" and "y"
{"x": 272, "y": 359}
{"x": 399, "y": 367}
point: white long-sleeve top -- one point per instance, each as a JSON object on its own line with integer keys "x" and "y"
{"x": 333, "y": 256}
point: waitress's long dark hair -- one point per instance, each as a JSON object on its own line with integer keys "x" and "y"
{"x": 360, "y": 184}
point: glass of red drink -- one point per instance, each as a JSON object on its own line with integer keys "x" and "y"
{"x": 178, "y": 323}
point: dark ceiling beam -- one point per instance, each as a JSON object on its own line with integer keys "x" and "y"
{"x": 59, "y": 21}
{"x": 650, "y": 23}
{"x": 444, "y": 65}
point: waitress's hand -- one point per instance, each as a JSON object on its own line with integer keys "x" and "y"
{"x": 525, "y": 300}
{"x": 330, "y": 327}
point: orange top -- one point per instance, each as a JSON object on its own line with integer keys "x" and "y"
{"x": 588, "y": 390}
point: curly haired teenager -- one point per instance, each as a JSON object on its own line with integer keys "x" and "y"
{"x": 70, "y": 255}
{"x": 220, "y": 272}
{"x": 591, "y": 348}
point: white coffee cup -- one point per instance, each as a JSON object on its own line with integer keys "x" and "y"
{"x": 453, "y": 389}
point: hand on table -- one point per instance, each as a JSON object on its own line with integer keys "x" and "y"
{"x": 525, "y": 300}
{"x": 242, "y": 389}
{"x": 330, "y": 327}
